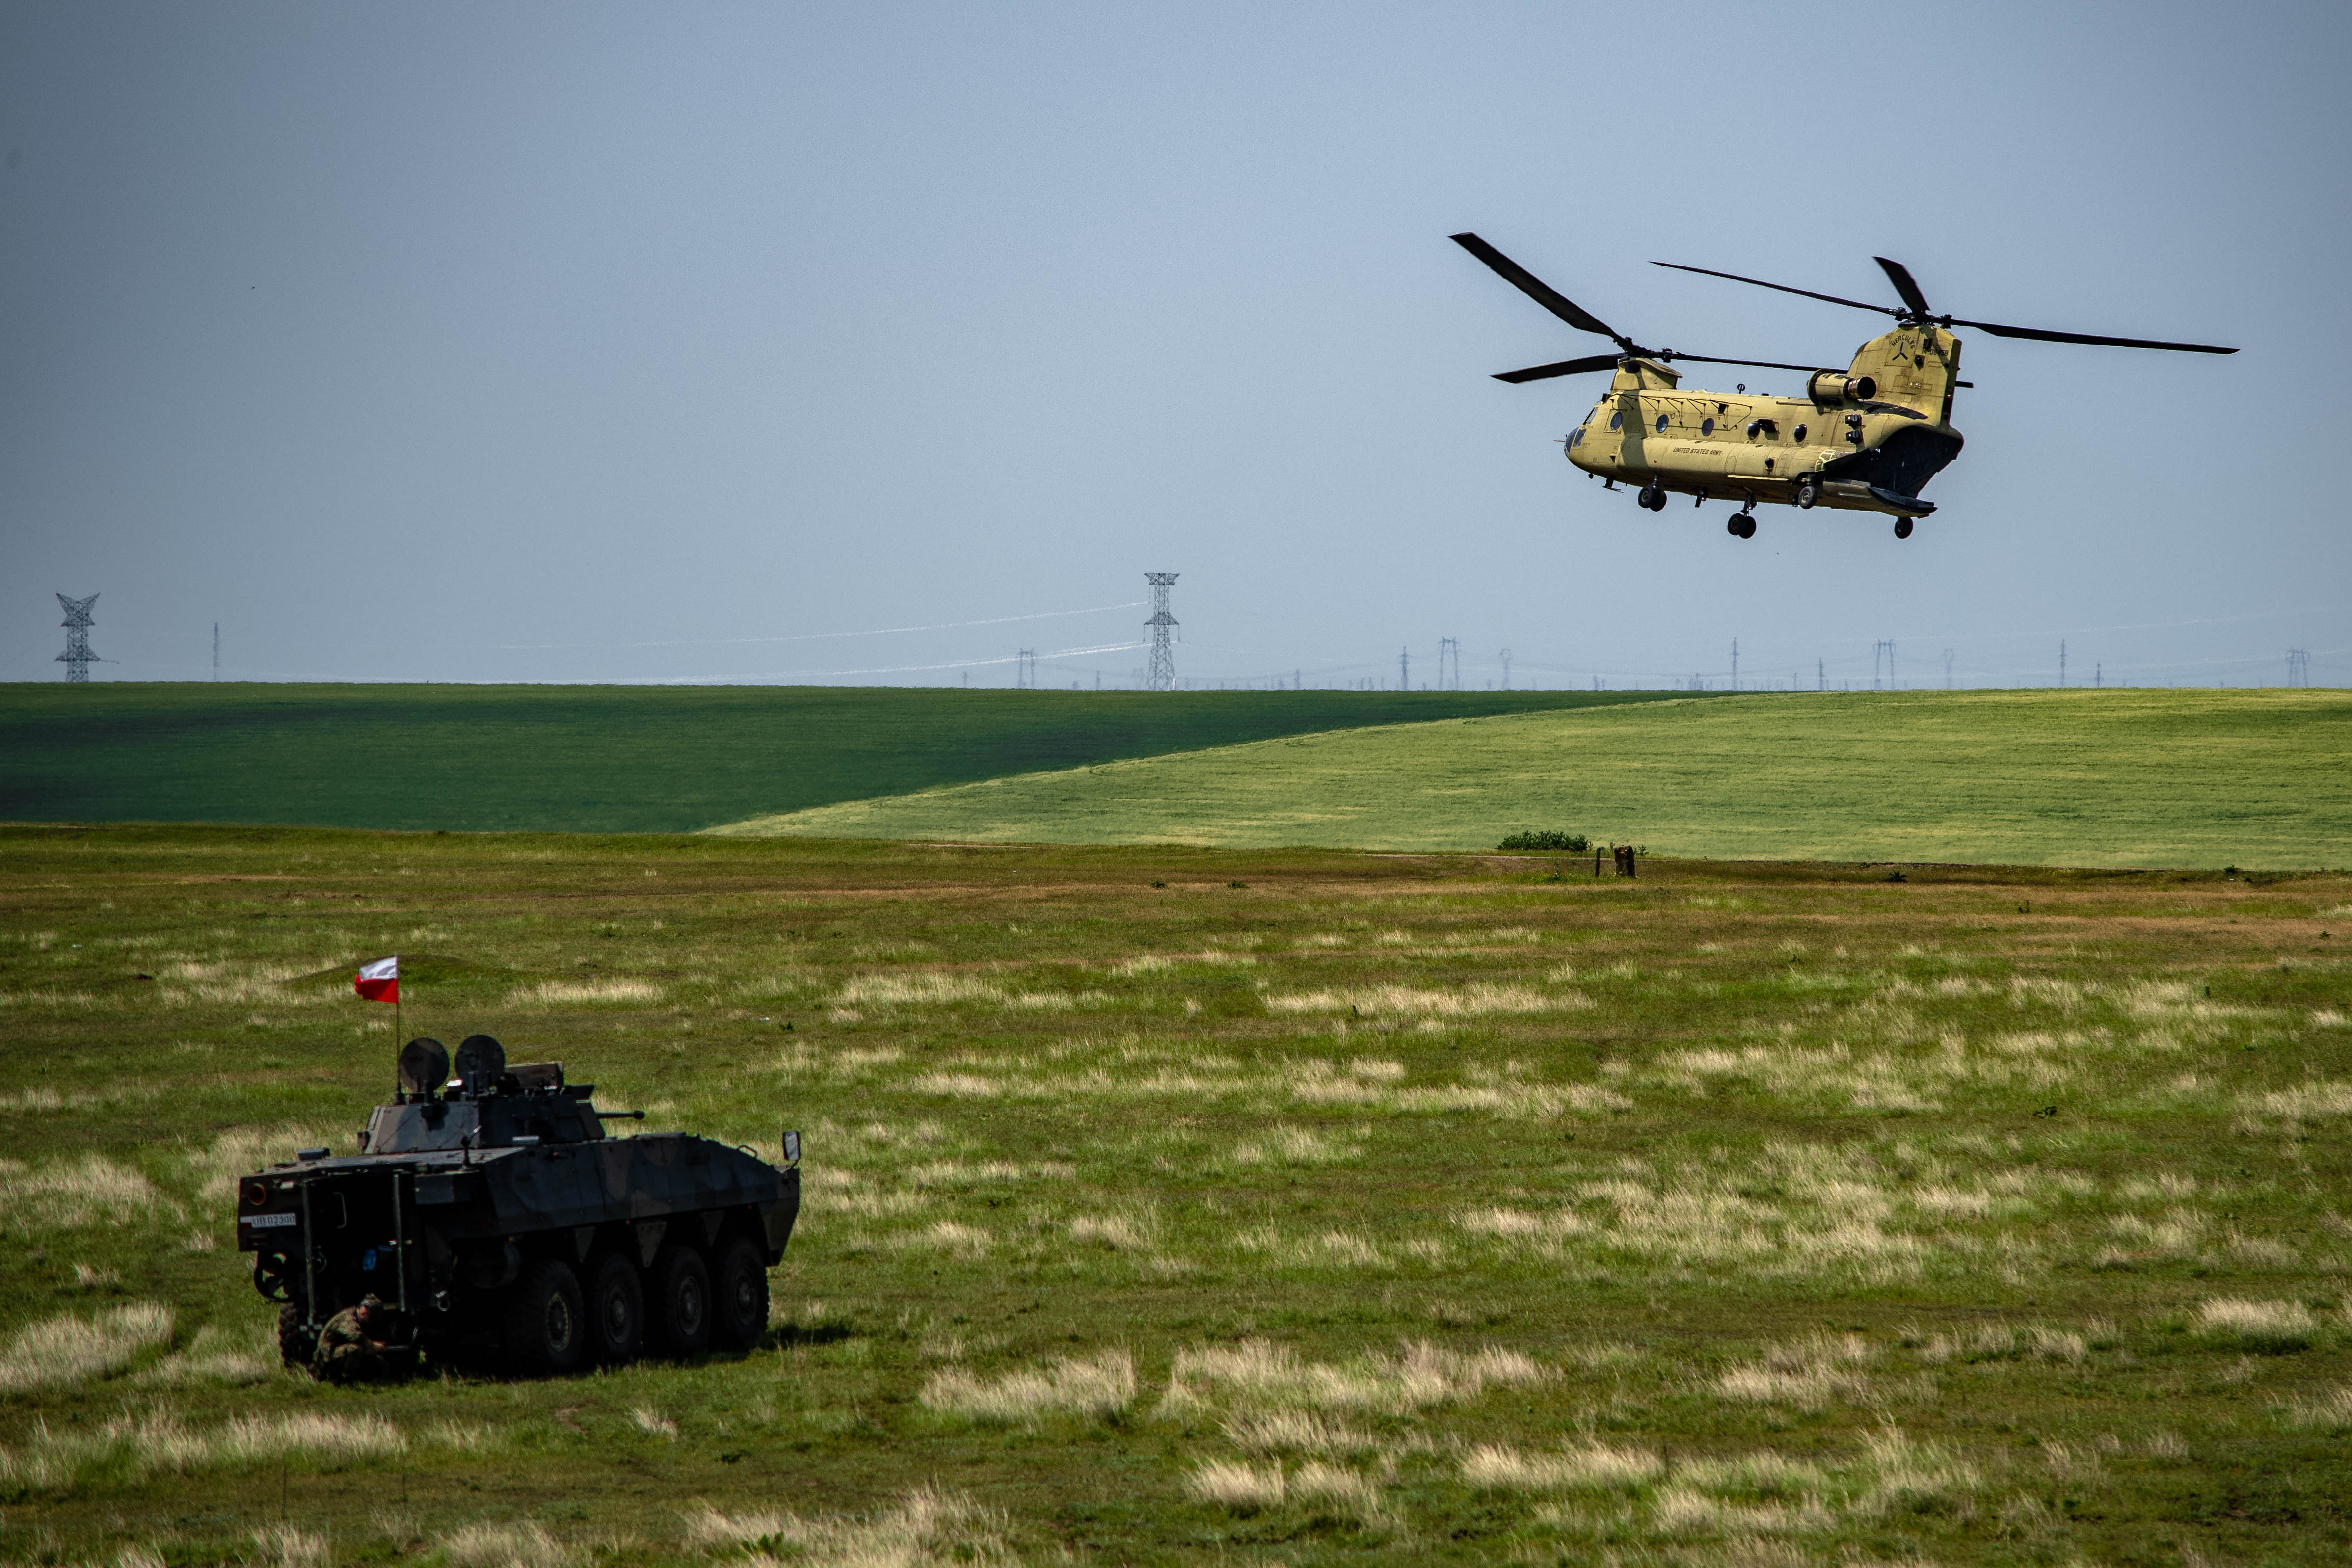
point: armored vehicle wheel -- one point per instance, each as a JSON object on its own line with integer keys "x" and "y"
{"x": 546, "y": 1330}
{"x": 295, "y": 1345}
{"x": 1807, "y": 493}
{"x": 679, "y": 1308}
{"x": 617, "y": 1310}
{"x": 739, "y": 1296}
{"x": 1902, "y": 527}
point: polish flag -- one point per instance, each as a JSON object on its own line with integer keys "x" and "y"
{"x": 379, "y": 981}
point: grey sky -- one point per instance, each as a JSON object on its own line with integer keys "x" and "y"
{"x": 585, "y": 342}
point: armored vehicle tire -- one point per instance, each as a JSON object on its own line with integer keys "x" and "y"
{"x": 677, "y": 1310}
{"x": 617, "y": 1310}
{"x": 546, "y": 1329}
{"x": 295, "y": 1345}
{"x": 739, "y": 1296}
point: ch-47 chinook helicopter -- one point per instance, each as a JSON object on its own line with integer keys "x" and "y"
{"x": 1863, "y": 439}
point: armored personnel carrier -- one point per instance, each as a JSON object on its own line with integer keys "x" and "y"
{"x": 491, "y": 1211}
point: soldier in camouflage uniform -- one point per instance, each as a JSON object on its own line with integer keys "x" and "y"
{"x": 346, "y": 1350}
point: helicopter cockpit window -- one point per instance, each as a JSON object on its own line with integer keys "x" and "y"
{"x": 1707, "y": 427}
{"x": 1576, "y": 437}
{"x": 1662, "y": 425}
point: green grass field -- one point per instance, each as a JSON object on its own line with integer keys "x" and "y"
{"x": 604, "y": 759}
{"x": 1224, "y": 1206}
{"x": 2037, "y": 778}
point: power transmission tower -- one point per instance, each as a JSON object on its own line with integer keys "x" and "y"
{"x": 1025, "y": 668}
{"x": 2298, "y": 666}
{"x": 1507, "y": 669}
{"x": 1449, "y": 652}
{"x": 1405, "y": 670}
{"x": 2061, "y": 661}
{"x": 1884, "y": 650}
{"x": 1735, "y": 663}
{"x": 1820, "y": 675}
{"x": 76, "y": 657}
{"x": 1161, "y": 674}
{"x": 1948, "y": 669}
{"x": 216, "y": 650}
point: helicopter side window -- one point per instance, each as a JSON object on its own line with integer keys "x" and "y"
{"x": 1707, "y": 427}
{"x": 1662, "y": 425}
{"x": 1616, "y": 421}
{"x": 1798, "y": 433}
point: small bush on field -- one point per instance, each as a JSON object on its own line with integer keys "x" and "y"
{"x": 1572, "y": 843}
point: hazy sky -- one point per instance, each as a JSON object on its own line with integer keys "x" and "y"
{"x": 624, "y": 342}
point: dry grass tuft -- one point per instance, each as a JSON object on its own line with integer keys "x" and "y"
{"x": 653, "y": 1423}
{"x": 1594, "y": 1467}
{"x": 1282, "y": 1431}
{"x": 1241, "y": 1486}
{"x": 583, "y": 993}
{"x": 2327, "y": 1412}
{"x": 1478, "y": 1001}
{"x": 286, "y": 1547}
{"x": 69, "y": 1350}
{"x": 927, "y": 1527}
{"x": 2265, "y": 1328}
{"x": 522, "y": 1546}
{"x": 1255, "y": 1373}
{"x": 1101, "y": 1386}
{"x": 68, "y": 1195}
{"x": 1807, "y": 1373}
{"x": 138, "y": 1444}
{"x": 213, "y": 1357}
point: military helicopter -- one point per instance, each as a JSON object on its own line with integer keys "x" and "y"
{"x": 1863, "y": 439}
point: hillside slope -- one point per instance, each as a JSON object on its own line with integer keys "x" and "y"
{"x": 2042, "y": 778}
{"x": 604, "y": 759}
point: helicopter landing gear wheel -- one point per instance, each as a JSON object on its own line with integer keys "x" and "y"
{"x": 1807, "y": 493}
{"x": 1902, "y": 527}
{"x": 1652, "y": 499}
{"x": 1742, "y": 526}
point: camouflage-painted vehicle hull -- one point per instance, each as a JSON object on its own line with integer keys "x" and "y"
{"x": 551, "y": 1248}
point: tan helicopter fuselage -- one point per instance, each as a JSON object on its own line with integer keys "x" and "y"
{"x": 1866, "y": 440}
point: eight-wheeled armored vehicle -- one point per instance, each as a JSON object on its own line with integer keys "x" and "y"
{"x": 491, "y": 1212}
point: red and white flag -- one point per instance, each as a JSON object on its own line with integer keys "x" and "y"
{"x": 379, "y": 981}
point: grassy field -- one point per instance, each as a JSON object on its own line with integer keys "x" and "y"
{"x": 604, "y": 759}
{"x": 2036, "y": 778}
{"x": 1187, "y": 1206}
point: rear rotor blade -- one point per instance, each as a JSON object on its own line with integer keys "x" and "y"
{"x": 1542, "y": 293}
{"x": 1564, "y": 368}
{"x": 1900, "y": 276}
{"x": 1831, "y": 298}
{"x": 2037, "y": 333}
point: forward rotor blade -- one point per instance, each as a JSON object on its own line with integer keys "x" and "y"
{"x": 1542, "y": 293}
{"x": 2037, "y": 333}
{"x": 1564, "y": 368}
{"x": 1759, "y": 364}
{"x": 1831, "y": 298}
{"x": 1900, "y": 276}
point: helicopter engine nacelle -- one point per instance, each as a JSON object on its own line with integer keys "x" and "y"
{"x": 1836, "y": 386}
